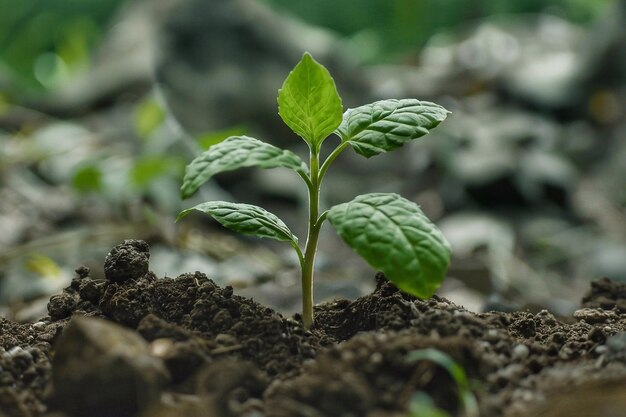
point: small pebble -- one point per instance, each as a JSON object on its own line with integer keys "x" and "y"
{"x": 225, "y": 339}
{"x": 161, "y": 347}
{"x": 39, "y": 325}
{"x": 520, "y": 352}
{"x": 376, "y": 357}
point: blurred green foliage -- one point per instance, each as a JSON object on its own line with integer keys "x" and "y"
{"x": 209, "y": 139}
{"x": 149, "y": 168}
{"x": 382, "y": 29}
{"x": 422, "y": 405}
{"x": 148, "y": 117}
{"x": 87, "y": 179}
{"x": 43, "y": 43}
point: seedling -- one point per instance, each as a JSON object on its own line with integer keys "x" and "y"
{"x": 422, "y": 405}
{"x": 390, "y": 232}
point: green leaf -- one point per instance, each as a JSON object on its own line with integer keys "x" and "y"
{"x": 87, "y": 179}
{"x": 148, "y": 168}
{"x": 456, "y": 371}
{"x": 422, "y": 405}
{"x": 393, "y": 235}
{"x": 388, "y": 124}
{"x": 149, "y": 115}
{"x": 43, "y": 266}
{"x": 308, "y": 102}
{"x": 246, "y": 219}
{"x": 236, "y": 152}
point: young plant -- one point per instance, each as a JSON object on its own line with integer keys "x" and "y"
{"x": 422, "y": 405}
{"x": 390, "y": 232}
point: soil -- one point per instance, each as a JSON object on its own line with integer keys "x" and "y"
{"x": 137, "y": 345}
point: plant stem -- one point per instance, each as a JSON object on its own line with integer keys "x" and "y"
{"x": 334, "y": 154}
{"x": 306, "y": 179}
{"x": 311, "y": 243}
{"x": 307, "y": 262}
{"x": 299, "y": 253}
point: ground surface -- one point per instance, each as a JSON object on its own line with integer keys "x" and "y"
{"x": 184, "y": 346}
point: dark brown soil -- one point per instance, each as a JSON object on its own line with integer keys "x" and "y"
{"x": 192, "y": 348}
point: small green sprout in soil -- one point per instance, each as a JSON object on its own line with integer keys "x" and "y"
{"x": 422, "y": 405}
{"x": 390, "y": 232}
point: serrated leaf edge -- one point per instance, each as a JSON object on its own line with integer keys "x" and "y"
{"x": 187, "y": 190}
{"x": 428, "y": 288}
{"x": 279, "y": 226}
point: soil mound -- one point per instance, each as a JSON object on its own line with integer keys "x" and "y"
{"x": 205, "y": 351}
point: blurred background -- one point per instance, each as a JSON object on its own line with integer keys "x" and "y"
{"x": 103, "y": 103}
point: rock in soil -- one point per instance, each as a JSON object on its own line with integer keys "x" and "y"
{"x": 209, "y": 352}
{"x": 102, "y": 369}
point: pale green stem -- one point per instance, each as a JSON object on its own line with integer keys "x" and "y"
{"x": 311, "y": 243}
{"x": 299, "y": 252}
{"x": 306, "y": 179}
{"x": 334, "y": 154}
{"x": 315, "y": 224}
{"x": 321, "y": 218}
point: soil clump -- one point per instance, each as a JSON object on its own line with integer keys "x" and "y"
{"x": 194, "y": 348}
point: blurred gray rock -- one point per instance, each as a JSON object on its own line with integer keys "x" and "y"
{"x": 492, "y": 52}
{"x": 469, "y": 233}
{"x": 222, "y": 62}
{"x": 166, "y": 261}
{"x": 504, "y": 158}
{"x": 608, "y": 259}
{"x": 62, "y": 148}
{"x": 616, "y": 347}
{"x": 540, "y": 60}
{"x": 570, "y": 79}
{"x": 481, "y": 244}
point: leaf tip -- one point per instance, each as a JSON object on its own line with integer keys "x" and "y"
{"x": 185, "y": 193}
{"x": 182, "y": 214}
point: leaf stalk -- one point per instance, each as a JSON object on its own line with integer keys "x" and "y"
{"x": 329, "y": 160}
